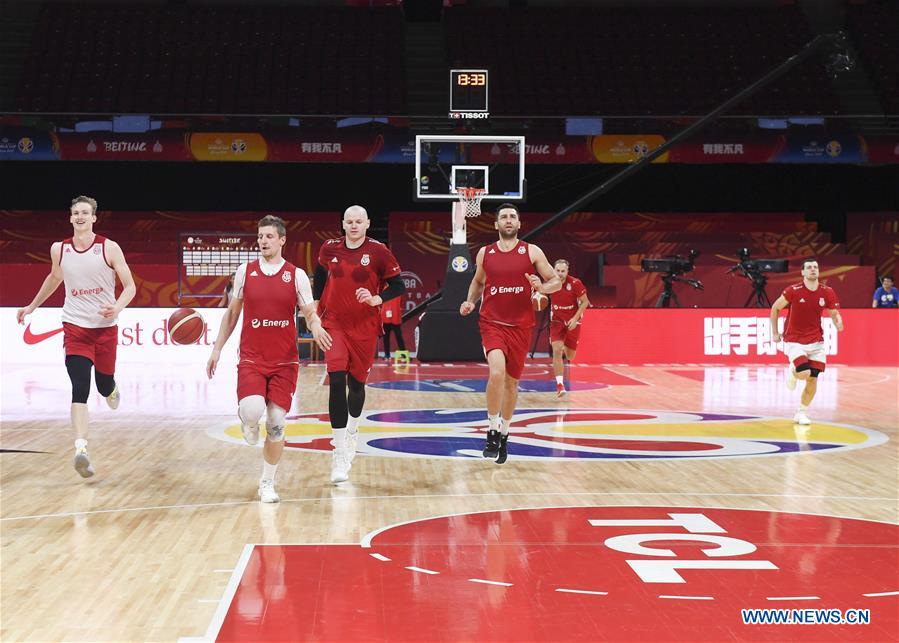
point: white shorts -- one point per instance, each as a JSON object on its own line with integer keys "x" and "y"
{"x": 814, "y": 352}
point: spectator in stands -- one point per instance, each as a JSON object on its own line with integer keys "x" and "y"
{"x": 887, "y": 296}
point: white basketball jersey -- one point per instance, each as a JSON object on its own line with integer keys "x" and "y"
{"x": 90, "y": 284}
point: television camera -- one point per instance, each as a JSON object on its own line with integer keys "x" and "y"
{"x": 754, "y": 270}
{"x": 671, "y": 268}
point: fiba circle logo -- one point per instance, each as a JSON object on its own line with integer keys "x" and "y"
{"x": 425, "y": 180}
{"x": 641, "y": 149}
{"x": 834, "y": 148}
{"x": 26, "y": 145}
{"x": 460, "y": 264}
{"x": 238, "y": 146}
{"x": 254, "y": 323}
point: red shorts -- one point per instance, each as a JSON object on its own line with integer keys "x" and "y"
{"x": 559, "y": 332}
{"x": 513, "y": 341}
{"x": 351, "y": 354}
{"x": 275, "y": 383}
{"x": 97, "y": 344}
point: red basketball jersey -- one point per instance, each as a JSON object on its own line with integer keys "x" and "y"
{"x": 804, "y": 312}
{"x": 507, "y": 293}
{"x": 269, "y": 331}
{"x": 564, "y": 301}
{"x": 368, "y": 266}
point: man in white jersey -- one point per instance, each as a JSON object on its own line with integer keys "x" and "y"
{"x": 267, "y": 290}
{"x": 88, "y": 264}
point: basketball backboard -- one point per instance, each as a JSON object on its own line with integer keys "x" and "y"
{"x": 444, "y": 163}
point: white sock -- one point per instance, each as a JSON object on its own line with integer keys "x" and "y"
{"x": 352, "y": 425}
{"x": 494, "y": 421}
{"x": 268, "y": 471}
{"x": 504, "y": 425}
{"x": 80, "y": 443}
{"x": 803, "y": 408}
{"x": 559, "y": 379}
{"x": 339, "y": 440}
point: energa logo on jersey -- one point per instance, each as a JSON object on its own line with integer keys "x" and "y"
{"x": 269, "y": 323}
{"x": 574, "y": 434}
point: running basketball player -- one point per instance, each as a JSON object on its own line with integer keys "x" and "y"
{"x": 505, "y": 277}
{"x": 351, "y": 271}
{"x": 566, "y": 311}
{"x": 803, "y": 337}
{"x": 267, "y": 290}
{"x": 88, "y": 264}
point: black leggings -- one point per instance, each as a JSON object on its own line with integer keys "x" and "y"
{"x": 79, "y": 368}
{"x": 396, "y": 329}
{"x": 341, "y": 402}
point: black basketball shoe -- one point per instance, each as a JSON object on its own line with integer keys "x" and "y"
{"x": 503, "y": 451}
{"x": 491, "y": 449}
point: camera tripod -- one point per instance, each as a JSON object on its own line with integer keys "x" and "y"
{"x": 759, "y": 281}
{"x": 668, "y": 291}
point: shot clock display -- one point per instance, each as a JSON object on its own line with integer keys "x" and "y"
{"x": 468, "y": 93}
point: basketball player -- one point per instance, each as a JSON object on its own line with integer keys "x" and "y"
{"x": 350, "y": 269}
{"x": 267, "y": 290}
{"x": 504, "y": 276}
{"x": 803, "y": 337}
{"x": 568, "y": 306}
{"x": 88, "y": 264}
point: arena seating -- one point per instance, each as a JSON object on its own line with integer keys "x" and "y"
{"x": 874, "y": 28}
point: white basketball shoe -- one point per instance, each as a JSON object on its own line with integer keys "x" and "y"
{"x": 801, "y": 418}
{"x": 83, "y": 463}
{"x": 267, "y": 491}
{"x": 340, "y": 465}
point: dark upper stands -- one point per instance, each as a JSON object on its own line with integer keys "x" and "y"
{"x": 215, "y": 59}
{"x": 630, "y": 61}
{"x": 875, "y": 31}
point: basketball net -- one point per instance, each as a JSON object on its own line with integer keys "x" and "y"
{"x": 467, "y": 207}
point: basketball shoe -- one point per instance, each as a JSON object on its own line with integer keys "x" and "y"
{"x": 267, "y": 491}
{"x": 491, "y": 448}
{"x": 801, "y": 418}
{"x": 83, "y": 463}
{"x": 351, "y": 440}
{"x": 340, "y": 466}
{"x": 503, "y": 453}
{"x": 560, "y": 390}
{"x": 250, "y": 433}
{"x": 114, "y": 398}
{"x": 791, "y": 378}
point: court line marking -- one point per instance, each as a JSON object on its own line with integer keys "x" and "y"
{"x": 224, "y": 603}
{"x": 688, "y": 598}
{"x": 660, "y": 494}
{"x": 581, "y": 591}
{"x": 882, "y": 594}
{"x": 792, "y": 598}
{"x": 222, "y": 571}
{"x": 413, "y": 568}
{"x": 489, "y": 582}
{"x": 380, "y": 557}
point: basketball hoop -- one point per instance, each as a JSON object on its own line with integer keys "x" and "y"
{"x": 470, "y": 198}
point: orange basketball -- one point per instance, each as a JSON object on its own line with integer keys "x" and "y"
{"x": 186, "y": 326}
{"x": 539, "y": 301}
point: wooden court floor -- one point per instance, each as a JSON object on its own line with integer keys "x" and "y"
{"x": 147, "y": 549}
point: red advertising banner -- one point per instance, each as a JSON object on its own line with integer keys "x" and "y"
{"x": 727, "y": 336}
{"x": 333, "y": 147}
{"x": 883, "y": 149}
{"x": 112, "y": 146}
{"x": 540, "y": 149}
{"x": 725, "y": 149}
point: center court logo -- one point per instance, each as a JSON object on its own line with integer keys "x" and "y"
{"x": 576, "y": 434}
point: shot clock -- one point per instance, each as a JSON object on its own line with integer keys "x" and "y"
{"x": 468, "y": 93}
